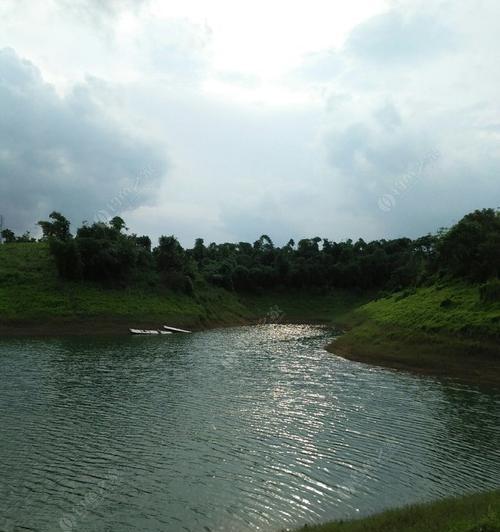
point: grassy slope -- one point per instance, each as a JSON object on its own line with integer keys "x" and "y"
{"x": 415, "y": 330}
{"x": 33, "y": 300}
{"x": 411, "y": 330}
{"x": 474, "y": 513}
{"x": 30, "y": 292}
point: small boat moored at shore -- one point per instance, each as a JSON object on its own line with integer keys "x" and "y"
{"x": 175, "y": 329}
{"x": 148, "y": 331}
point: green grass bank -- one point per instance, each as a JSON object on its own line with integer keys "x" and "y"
{"x": 441, "y": 329}
{"x": 473, "y": 513}
{"x": 34, "y": 300}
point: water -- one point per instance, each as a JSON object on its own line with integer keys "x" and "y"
{"x": 251, "y": 428}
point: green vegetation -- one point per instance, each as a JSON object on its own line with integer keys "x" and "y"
{"x": 305, "y": 305}
{"x": 446, "y": 328}
{"x": 33, "y": 297}
{"x": 105, "y": 253}
{"x": 471, "y": 248}
{"x": 440, "y": 312}
{"x": 452, "y": 307}
{"x": 474, "y": 513}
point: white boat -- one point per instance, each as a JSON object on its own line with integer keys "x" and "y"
{"x": 175, "y": 329}
{"x": 148, "y": 331}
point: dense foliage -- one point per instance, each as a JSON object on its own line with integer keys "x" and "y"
{"x": 471, "y": 248}
{"x": 106, "y": 253}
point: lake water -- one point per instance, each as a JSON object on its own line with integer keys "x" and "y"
{"x": 250, "y": 428}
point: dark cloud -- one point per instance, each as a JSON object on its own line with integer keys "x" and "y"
{"x": 65, "y": 153}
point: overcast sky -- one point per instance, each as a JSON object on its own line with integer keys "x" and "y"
{"x": 228, "y": 119}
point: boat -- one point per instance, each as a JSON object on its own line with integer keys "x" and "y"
{"x": 149, "y": 331}
{"x": 175, "y": 329}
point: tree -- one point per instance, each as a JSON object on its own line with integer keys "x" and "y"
{"x": 8, "y": 236}
{"x": 199, "y": 250}
{"x": 471, "y": 248}
{"x": 57, "y": 228}
{"x": 68, "y": 259}
{"x": 144, "y": 242}
{"x": 308, "y": 246}
{"x": 169, "y": 254}
{"x": 264, "y": 243}
{"x": 118, "y": 224}
{"x": 25, "y": 237}
{"x": 107, "y": 255}
{"x": 175, "y": 266}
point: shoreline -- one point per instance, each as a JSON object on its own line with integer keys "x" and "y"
{"x": 475, "y": 512}
{"x": 99, "y": 327}
{"x": 120, "y": 327}
{"x": 441, "y": 355}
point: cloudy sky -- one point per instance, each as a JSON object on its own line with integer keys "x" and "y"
{"x": 228, "y": 119}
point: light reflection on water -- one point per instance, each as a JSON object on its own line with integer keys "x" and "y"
{"x": 251, "y": 428}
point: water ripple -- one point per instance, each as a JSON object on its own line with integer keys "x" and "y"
{"x": 251, "y": 428}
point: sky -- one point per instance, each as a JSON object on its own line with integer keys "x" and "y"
{"x": 225, "y": 119}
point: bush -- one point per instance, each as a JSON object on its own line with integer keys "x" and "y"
{"x": 67, "y": 257}
{"x": 405, "y": 294}
{"x": 490, "y": 292}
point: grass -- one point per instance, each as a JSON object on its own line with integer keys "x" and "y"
{"x": 473, "y": 513}
{"x": 30, "y": 292}
{"x": 455, "y": 308}
{"x": 443, "y": 329}
{"x": 34, "y": 300}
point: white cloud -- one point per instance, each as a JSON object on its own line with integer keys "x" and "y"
{"x": 289, "y": 119}
{"x": 411, "y": 83}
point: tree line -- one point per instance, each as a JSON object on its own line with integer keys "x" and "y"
{"x": 107, "y": 253}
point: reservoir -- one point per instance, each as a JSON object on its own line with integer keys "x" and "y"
{"x": 239, "y": 429}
